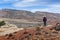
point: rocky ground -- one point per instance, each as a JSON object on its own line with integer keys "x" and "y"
{"x": 50, "y": 32}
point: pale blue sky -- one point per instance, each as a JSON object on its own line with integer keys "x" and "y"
{"x": 32, "y": 5}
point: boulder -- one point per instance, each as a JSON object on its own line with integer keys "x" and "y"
{"x": 57, "y": 27}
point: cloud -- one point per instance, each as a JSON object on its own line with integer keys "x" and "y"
{"x": 28, "y": 3}
{"x": 24, "y": 3}
{"x": 7, "y": 1}
{"x": 10, "y": 0}
{"x": 33, "y": 5}
{"x": 51, "y": 8}
{"x": 55, "y": 8}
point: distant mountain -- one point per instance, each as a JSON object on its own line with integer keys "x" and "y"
{"x": 23, "y": 14}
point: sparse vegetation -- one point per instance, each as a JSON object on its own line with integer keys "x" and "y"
{"x": 38, "y": 28}
{"x": 2, "y": 23}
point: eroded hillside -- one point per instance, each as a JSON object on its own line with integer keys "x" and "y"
{"x": 27, "y": 15}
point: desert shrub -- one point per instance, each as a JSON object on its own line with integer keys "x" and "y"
{"x": 10, "y": 35}
{"x": 25, "y": 32}
{"x": 38, "y": 29}
{"x": 2, "y": 23}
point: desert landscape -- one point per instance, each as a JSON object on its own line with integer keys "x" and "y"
{"x": 26, "y": 25}
{"x": 29, "y": 19}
